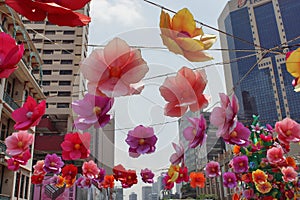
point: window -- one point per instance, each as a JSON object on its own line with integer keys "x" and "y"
{"x": 65, "y": 72}
{"x": 47, "y": 42}
{"x": 49, "y": 32}
{"x": 46, "y": 82}
{"x": 64, "y": 94}
{"x": 64, "y": 83}
{"x": 48, "y": 52}
{"x": 68, "y": 41}
{"x": 48, "y": 62}
{"x": 22, "y": 185}
{"x": 69, "y": 51}
{"x": 3, "y": 132}
{"x": 16, "y": 185}
{"x": 26, "y": 187}
{"x": 47, "y": 72}
{"x": 62, "y": 105}
{"x": 69, "y": 32}
{"x": 67, "y": 62}
{"x": 46, "y": 94}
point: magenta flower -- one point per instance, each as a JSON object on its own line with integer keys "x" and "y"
{"x": 289, "y": 174}
{"x": 248, "y": 193}
{"x": 224, "y": 117}
{"x": 92, "y": 110}
{"x": 141, "y": 140}
{"x": 212, "y": 169}
{"x": 23, "y": 158}
{"x": 288, "y": 131}
{"x": 167, "y": 183}
{"x": 239, "y": 136}
{"x": 53, "y": 164}
{"x": 147, "y": 175}
{"x": 229, "y": 179}
{"x": 100, "y": 176}
{"x": 240, "y": 164}
{"x": 84, "y": 182}
{"x": 178, "y": 156}
{"x": 10, "y": 54}
{"x": 195, "y": 134}
{"x": 38, "y": 168}
{"x": 90, "y": 169}
{"x": 275, "y": 155}
{"x": 13, "y": 165}
{"x": 18, "y": 142}
{"x": 29, "y": 115}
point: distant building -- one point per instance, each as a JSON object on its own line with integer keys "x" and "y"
{"x": 153, "y": 196}
{"x": 146, "y": 191}
{"x": 119, "y": 193}
{"x": 133, "y": 196}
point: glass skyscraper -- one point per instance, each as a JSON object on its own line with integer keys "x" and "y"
{"x": 258, "y": 76}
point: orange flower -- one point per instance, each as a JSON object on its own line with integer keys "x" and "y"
{"x": 173, "y": 172}
{"x": 236, "y": 196}
{"x": 247, "y": 178}
{"x": 259, "y": 176}
{"x": 291, "y": 162}
{"x": 181, "y": 36}
{"x": 264, "y": 187}
{"x": 109, "y": 182}
{"x": 60, "y": 181}
{"x": 197, "y": 179}
{"x": 236, "y": 149}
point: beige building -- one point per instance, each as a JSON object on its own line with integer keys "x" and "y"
{"x": 13, "y": 93}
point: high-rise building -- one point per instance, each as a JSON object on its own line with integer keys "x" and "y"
{"x": 259, "y": 77}
{"x": 119, "y": 193}
{"x": 146, "y": 191}
{"x": 133, "y": 196}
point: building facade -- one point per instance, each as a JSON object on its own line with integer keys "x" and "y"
{"x": 259, "y": 78}
{"x": 133, "y": 196}
{"x": 13, "y": 93}
{"x": 146, "y": 191}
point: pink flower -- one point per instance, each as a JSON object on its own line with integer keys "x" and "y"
{"x": 212, "y": 169}
{"x": 76, "y": 146}
{"x": 224, "y": 117}
{"x": 10, "y": 54}
{"x": 195, "y": 134}
{"x": 288, "y": 131}
{"x": 115, "y": 70}
{"x": 141, "y": 141}
{"x": 39, "y": 168}
{"x": 90, "y": 169}
{"x": 240, "y": 164}
{"x": 239, "y": 136}
{"x": 147, "y": 175}
{"x": 289, "y": 174}
{"x": 229, "y": 180}
{"x": 12, "y": 164}
{"x": 183, "y": 91}
{"x": 92, "y": 110}
{"x": 53, "y": 163}
{"x": 178, "y": 156}
{"x": 23, "y": 158}
{"x": 29, "y": 114}
{"x": 275, "y": 155}
{"x": 84, "y": 182}
{"x": 18, "y": 142}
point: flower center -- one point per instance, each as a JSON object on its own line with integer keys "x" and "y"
{"x": 129, "y": 177}
{"x": 289, "y": 132}
{"x": 194, "y": 131}
{"x": 141, "y": 141}
{"x": 29, "y": 114}
{"x": 97, "y": 110}
{"x": 241, "y": 164}
{"x": 233, "y": 134}
{"x": 213, "y": 170}
{"x": 115, "y": 72}
{"x": 52, "y": 164}
{"x": 229, "y": 180}
{"x": 77, "y": 146}
{"x": 181, "y": 175}
{"x": 20, "y": 144}
{"x": 183, "y": 34}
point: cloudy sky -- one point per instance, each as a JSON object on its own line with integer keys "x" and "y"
{"x": 137, "y": 22}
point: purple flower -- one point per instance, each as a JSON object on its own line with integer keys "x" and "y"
{"x": 229, "y": 179}
{"x": 84, "y": 182}
{"x": 100, "y": 176}
{"x": 248, "y": 193}
{"x": 239, "y": 136}
{"x": 147, "y": 175}
{"x": 195, "y": 134}
{"x": 53, "y": 163}
{"x": 212, "y": 169}
{"x": 141, "y": 140}
{"x": 240, "y": 164}
{"x": 178, "y": 156}
{"x": 92, "y": 110}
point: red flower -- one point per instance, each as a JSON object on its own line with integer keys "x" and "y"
{"x": 76, "y": 146}
{"x": 130, "y": 179}
{"x": 168, "y": 184}
{"x": 69, "y": 173}
{"x": 119, "y": 172}
{"x": 37, "y": 179}
{"x": 108, "y": 182}
{"x": 10, "y": 54}
{"x": 58, "y": 12}
{"x": 29, "y": 114}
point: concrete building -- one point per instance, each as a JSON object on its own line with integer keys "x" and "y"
{"x": 133, "y": 196}
{"x": 119, "y": 193}
{"x": 146, "y": 191}
{"x": 13, "y": 93}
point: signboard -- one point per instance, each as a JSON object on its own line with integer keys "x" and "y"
{"x": 242, "y": 3}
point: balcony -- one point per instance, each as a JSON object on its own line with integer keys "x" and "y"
{"x": 10, "y": 101}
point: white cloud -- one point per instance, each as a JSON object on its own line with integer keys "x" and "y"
{"x": 122, "y": 12}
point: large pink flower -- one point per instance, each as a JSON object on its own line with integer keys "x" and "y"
{"x": 76, "y": 146}
{"x": 224, "y": 117}
{"x": 115, "y": 70}
{"x": 288, "y": 131}
{"x": 275, "y": 155}
{"x": 178, "y": 156}
{"x": 239, "y": 136}
{"x": 195, "y": 134}
{"x": 90, "y": 169}
{"x": 38, "y": 168}
{"x": 183, "y": 91}
{"x": 289, "y": 174}
{"x": 29, "y": 114}
{"x": 240, "y": 164}
{"x": 18, "y": 143}
{"x": 10, "y": 54}
{"x": 212, "y": 169}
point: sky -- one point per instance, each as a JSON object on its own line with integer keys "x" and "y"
{"x": 137, "y": 22}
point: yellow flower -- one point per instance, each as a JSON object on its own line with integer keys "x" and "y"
{"x": 264, "y": 187}
{"x": 181, "y": 36}
{"x": 259, "y": 176}
{"x": 293, "y": 67}
{"x": 173, "y": 172}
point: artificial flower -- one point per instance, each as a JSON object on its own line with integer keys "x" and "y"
{"x": 38, "y": 168}
{"x": 240, "y": 164}
{"x": 57, "y": 12}
{"x": 259, "y": 176}
{"x": 195, "y": 134}
{"x": 183, "y": 91}
{"x": 178, "y": 156}
{"x": 100, "y": 176}
{"x": 247, "y": 177}
{"x": 291, "y": 162}
{"x": 183, "y": 175}
{"x": 147, "y": 175}
{"x": 167, "y": 183}
{"x": 37, "y": 179}
{"x": 197, "y": 180}
{"x": 76, "y": 146}
{"x": 236, "y": 149}
{"x": 248, "y": 193}
{"x": 29, "y": 115}
{"x": 10, "y": 54}
{"x": 212, "y": 169}
{"x": 224, "y": 117}
{"x": 90, "y": 169}
{"x": 266, "y": 138}
{"x": 119, "y": 172}
{"x": 288, "y": 131}
{"x": 275, "y": 155}
{"x": 23, "y": 158}
{"x": 181, "y": 36}
{"x": 289, "y": 174}
{"x": 69, "y": 173}
{"x": 53, "y": 163}
{"x": 92, "y": 110}
{"x": 12, "y": 164}
{"x": 239, "y": 135}
{"x": 130, "y": 179}
{"x": 229, "y": 179}
{"x": 264, "y": 187}
{"x": 58, "y": 181}
{"x": 173, "y": 173}
{"x": 293, "y": 67}
{"x": 108, "y": 182}
{"x": 115, "y": 70}
{"x": 84, "y": 182}
{"x": 18, "y": 142}
{"x": 141, "y": 141}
